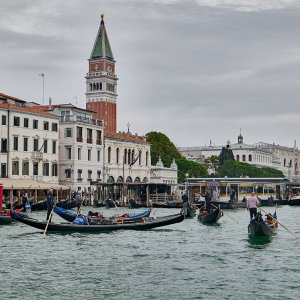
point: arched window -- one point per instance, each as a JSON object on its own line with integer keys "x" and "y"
{"x": 129, "y": 156}
{"x": 128, "y": 179}
{"x": 284, "y": 162}
{"x": 147, "y": 158}
{"x": 110, "y": 179}
{"x": 237, "y": 157}
{"x": 140, "y": 157}
{"x": 100, "y": 86}
{"x": 117, "y": 155}
{"x": 109, "y": 154}
{"x": 94, "y": 87}
{"x": 97, "y": 86}
{"x": 125, "y": 157}
{"x": 250, "y": 157}
{"x": 145, "y": 179}
{"x": 91, "y": 87}
{"x": 132, "y": 156}
{"x": 120, "y": 179}
{"x": 137, "y": 179}
{"x": 244, "y": 157}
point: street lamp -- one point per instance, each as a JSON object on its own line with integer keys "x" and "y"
{"x": 186, "y": 183}
{"x": 43, "y": 77}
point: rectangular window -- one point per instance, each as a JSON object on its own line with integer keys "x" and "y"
{"x": 98, "y": 155}
{"x": 16, "y": 143}
{"x": 79, "y": 135}
{"x": 15, "y": 168}
{"x": 54, "y": 170}
{"x": 54, "y": 147}
{"x": 25, "y": 168}
{"x": 25, "y": 144}
{"x": 54, "y": 127}
{"x": 68, "y": 173}
{"x": 4, "y": 145}
{"x": 68, "y": 132}
{"x": 89, "y": 154}
{"x": 79, "y": 174}
{"x": 90, "y": 174}
{"x": 45, "y": 146}
{"x": 46, "y": 125}
{"x": 46, "y": 169}
{"x": 89, "y": 139}
{"x": 35, "y": 168}
{"x": 26, "y": 122}
{"x": 99, "y": 137}
{"x": 3, "y": 171}
{"x": 35, "y": 124}
{"x": 79, "y": 153}
{"x": 35, "y": 145}
{"x": 68, "y": 152}
{"x": 3, "y": 120}
{"x": 16, "y": 121}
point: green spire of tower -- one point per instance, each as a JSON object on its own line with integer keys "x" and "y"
{"x": 101, "y": 47}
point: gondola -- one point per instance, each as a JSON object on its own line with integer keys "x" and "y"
{"x": 67, "y": 204}
{"x": 258, "y": 227}
{"x": 70, "y": 215}
{"x": 148, "y": 223}
{"x": 5, "y": 220}
{"x": 212, "y": 217}
{"x": 134, "y": 204}
{"x": 110, "y": 203}
{"x": 168, "y": 204}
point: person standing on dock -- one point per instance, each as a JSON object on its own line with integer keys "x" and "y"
{"x": 50, "y": 204}
{"x": 252, "y": 204}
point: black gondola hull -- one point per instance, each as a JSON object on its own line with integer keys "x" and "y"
{"x": 69, "y": 227}
{"x": 260, "y": 229}
{"x": 212, "y": 217}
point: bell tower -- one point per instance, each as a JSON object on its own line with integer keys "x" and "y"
{"x": 101, "y": 81}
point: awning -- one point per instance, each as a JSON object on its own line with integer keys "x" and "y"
{"x": 27, "y": 184}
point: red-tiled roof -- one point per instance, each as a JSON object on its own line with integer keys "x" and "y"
{"x": 4, "y": 97}
{"x": 126, "y": 137}
{"x": 30, "y": 109}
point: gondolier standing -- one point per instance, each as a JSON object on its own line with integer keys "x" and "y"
{"x": 79, "y": 200}
{"x": 252, "y": 204}
{"x": 207, "y": 198}
{"x": 50, "y": 203}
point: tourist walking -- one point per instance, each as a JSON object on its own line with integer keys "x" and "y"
{"x": 50, "y": 204}
{"x": 252, "y": 204}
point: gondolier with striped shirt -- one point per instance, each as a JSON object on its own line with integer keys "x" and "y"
{"x": 252, "y": 204}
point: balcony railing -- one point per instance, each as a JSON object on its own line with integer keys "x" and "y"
{"x": 37, "y": 155}
{"x": 89, "y": 141}
{"x": 74, "y": 118}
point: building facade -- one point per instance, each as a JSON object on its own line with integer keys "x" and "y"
{"x": 29, "y": 144}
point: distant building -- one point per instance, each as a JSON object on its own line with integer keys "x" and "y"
{"x": 261, "y": 154}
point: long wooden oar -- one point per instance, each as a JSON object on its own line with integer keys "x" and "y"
{"x": 291, "y": 232}
{"x": 226, "y": 214}
{"x": 48, "y": 221}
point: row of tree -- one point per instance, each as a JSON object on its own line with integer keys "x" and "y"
{"x": 221, "y": 166}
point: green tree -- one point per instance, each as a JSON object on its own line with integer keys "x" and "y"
{"x": 232, "y": 168}
{"x": 226, "y": 154}
{"x": 193, "y": 169}
{"x": 162, "y": 147}
{"x": 213, "y": 163}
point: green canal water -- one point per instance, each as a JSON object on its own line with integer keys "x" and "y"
{"x": 181, "y": 261}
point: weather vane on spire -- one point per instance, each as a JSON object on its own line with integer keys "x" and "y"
{"x": 102, "y": 17}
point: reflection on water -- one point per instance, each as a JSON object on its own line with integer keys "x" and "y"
{"x": 259, "y": 242}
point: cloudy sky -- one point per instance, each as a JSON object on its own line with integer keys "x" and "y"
{"x": 195, "y": 70}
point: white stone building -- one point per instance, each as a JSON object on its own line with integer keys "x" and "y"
{"x": 161, "y": 174}
{"x": 29, "y": 146}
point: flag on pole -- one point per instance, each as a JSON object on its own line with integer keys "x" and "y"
{"x": 134, "y": 161}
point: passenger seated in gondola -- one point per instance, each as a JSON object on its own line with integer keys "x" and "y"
{"x": 202, "y": 211}
{"x": 271, "y": 221}
{"x": 95, "y": 214}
